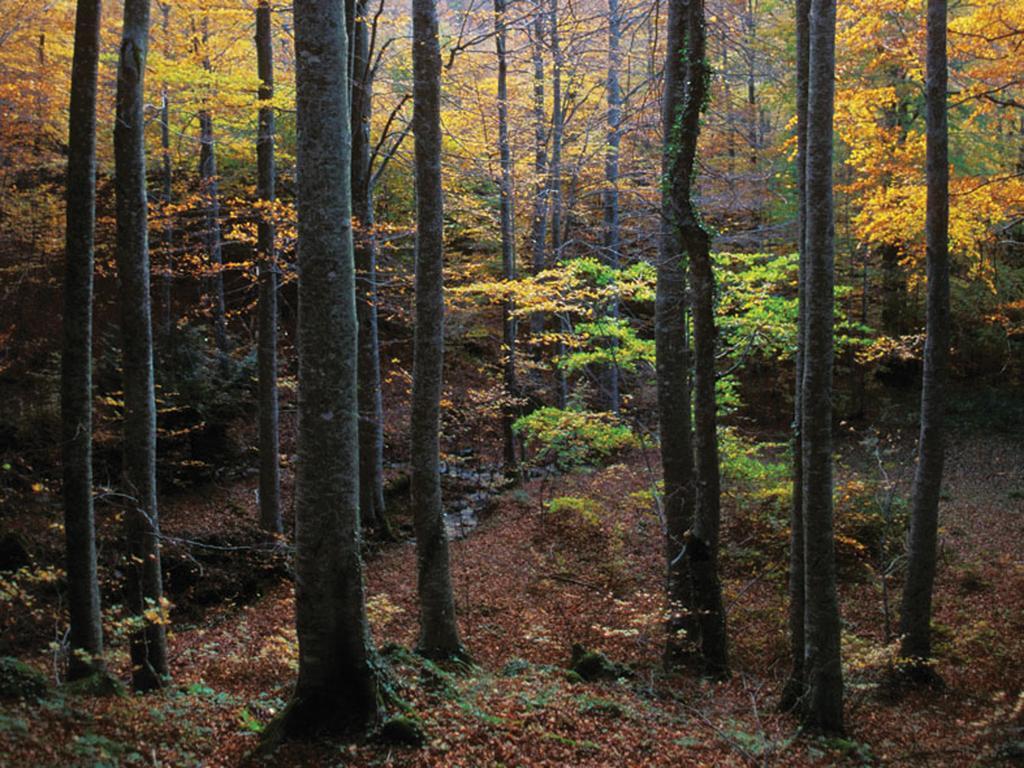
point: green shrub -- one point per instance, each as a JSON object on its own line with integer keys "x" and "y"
{"x": 572, "y": 438}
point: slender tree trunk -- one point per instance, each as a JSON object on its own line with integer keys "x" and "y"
{"x": 539, "y": 227}
{"x": 86, "y": 635}
{"x": 143, "y": 585}
{"x": 266, "y": 353}
{"x": 823, "y": 676}
{"x": 338, "y": 689}
{"x": 555, "y": 175}
{"x": 211, "y": 191}
{"x": 439, "y": 634}
{"x": 792, "y": 693}
{"x": 915, "y": 619}
{"x": 371, "y": 408}
{"x": 703, "y": 545}
{"x": 609, "y": 376}
{"x": 508, "y": 253}
{"x": 167, "y": 273}
{"x": 673, "y": 353}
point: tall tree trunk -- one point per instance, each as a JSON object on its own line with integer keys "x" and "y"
{"x": 609, "y": 377}
{"x": 439, "y": 634}
{"x": 508, "y": 245}
{"x": 672, "y": 350}
{"x": 270, "y": 461}
{"x": 823, "y": 675}
{"x": 210, "y": 186}
{"x": 338, "y": 689}
{"x": 894, "y": 291}
{"x": 703, "y": 545}
{"x": 86, "y": 635}
{"x": 371, "y": 408}
{"x": 555, "y": 175}
{"x": 915, "y": 619}
{"x": 792, "y": 693}
{"x": 143, "y": 586}
{"x": 539, "y": 225}
{"x": 167, "y": 273}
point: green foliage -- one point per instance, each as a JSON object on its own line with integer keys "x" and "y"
{"x": 572, "y": 438}
{"x": 608, "y": 341}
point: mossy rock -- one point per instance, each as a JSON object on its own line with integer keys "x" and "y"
{"x": 604, "y": 707}
{"x": 98, "y": 684}
{"x": 594, "y": 665}
{"x": 20, "y": 681}
{"x": 402, "y": 732}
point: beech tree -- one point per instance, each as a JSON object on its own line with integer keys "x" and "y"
{"x": 916, "y": 611}
{"x": 338, "y": 688}
{"x": 86, "y": 635}
{"x": 143, "y": 582}
{"x": 672, "y": 347}
{"x": 702, "y": 548}
{"x": 508, "y": 254}
{"x": 823, "y": 673}
{"x": 793, "y": 691}
{"x": 270, "y": 474}
{"x": 371, "y": 410}
{"x": 439, "y": 633}
{"x": 609, "y": 376}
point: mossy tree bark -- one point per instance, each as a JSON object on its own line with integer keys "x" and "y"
{"x": 86, "y": 633}
{"x": 143, "y": 584}
{"x": 673, "y": 353}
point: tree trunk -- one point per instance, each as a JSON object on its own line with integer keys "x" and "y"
{"x": 608, "y": 378}
{"x": 210, "y": 186}
{"x": 439, "y": 634}
{"x": 555, "y": 177}
{"x": 792, "y": 693}
{"x": 915, "y": 619}
{"x": 338, "y": 689}
{"x": 894, "y": 291}
{"x": 508, "y": 253}
{"x": 539, "y": 228}
{"x": 673, "y": 354}
{"x": 703, "y": 545}
{"x": 86, "y": 635}
{"x": 167, "y": 273}
{"x": 823, "y": 675}
{"x": 270, "y": 461}
{"x": 371, "y": 408}
{"x": 143, "y": 587}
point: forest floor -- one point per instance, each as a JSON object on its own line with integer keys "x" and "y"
{"x": 529, "y": 585}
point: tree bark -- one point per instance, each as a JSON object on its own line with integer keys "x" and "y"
{"x": 823, "y": 700}
{"x": 793, "y": 691}
{"x": 703, "y": 545}
{"x": 508, "y": 253}
{"x": 555, "y": 175}
{"x": 143, "y": 586}
{"x": 673, "y": 353}
{"x": 539, "y": 225}
{"x": 439, "y": 634}
{"x": 210, "y": 187}
{"x": 266, "y": 353}
{"x": 915, "y": 619}
{"x": 371, "y": 407}
{"x": 166, "y": 179}
{"x": 338, "y": 689}
{"x": 86, "y": 634}
{"x": 608, "y": 378}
